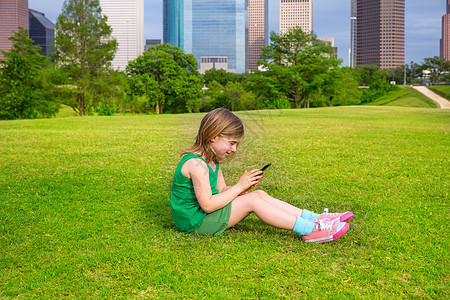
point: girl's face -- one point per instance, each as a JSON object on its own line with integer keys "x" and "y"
{"x": 223, "y": 146}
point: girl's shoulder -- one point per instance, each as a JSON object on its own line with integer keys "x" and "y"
{"x": 194, "y": 164}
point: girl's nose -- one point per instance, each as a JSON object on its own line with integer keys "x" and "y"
{"x": 233, "y": 148}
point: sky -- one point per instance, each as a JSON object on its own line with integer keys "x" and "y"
{"x": 331, "y": 18}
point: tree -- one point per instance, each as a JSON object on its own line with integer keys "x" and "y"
{"x": 439, "y": 69}
{"x": 296, "y": 63}
{"x": 341, "y": 87}
{"x": 24, "y": 92}
{"x": 220, "y": 75}
{"x": 84, "y": 50}
{"x": 232, "y": 96}
{"x": 370, "y": 74}
{"x": 167, "y": 77}
{"x": 375, "y": 79}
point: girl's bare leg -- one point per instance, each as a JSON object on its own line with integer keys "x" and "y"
{"x": 280, "y": 204}
{"x": 275, "y": 213}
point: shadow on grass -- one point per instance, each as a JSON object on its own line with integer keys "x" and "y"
{"x": 156, "y": 209}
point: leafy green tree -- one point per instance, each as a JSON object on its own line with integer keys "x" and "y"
{"x": 84, "y": 50}
{"x": 266, "y": 91}
{"x": 295, "y": 65}
{"x": 370, "y": 74}
{"x": 212, "y": 96}
{"x": 24, "y": 92}
{"x": 439, "y": 69}
{"x": 239, "y": 98}
{"x": 396, "y": 74}
{"x": 167, "y": 77}
{"x": 413, "y": 73}
{"x": 219, "y": 75}
{"x": 341, "y": 87}
{"x": 375, "y": 80}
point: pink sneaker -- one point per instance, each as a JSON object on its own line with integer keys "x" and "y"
{"x": 326, "y": 231}
{"x": 342, "y": 217}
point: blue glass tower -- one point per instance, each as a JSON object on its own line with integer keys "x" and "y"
{"x": 209, "y": 28}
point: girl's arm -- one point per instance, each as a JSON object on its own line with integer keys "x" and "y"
{"x": 221, "y": 185}
{"x": 197, "y": 170}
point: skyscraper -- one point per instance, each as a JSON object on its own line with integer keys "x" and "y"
{"x": 258, "y": 16}
{"x": 41, "y": 31}
{"x": 126, "y": 18}
{"x": 215, "y": 32}
{"x": 352, "y": 51}
{"x": 445, "y": 40}
{"x": 13, "y": 14}
{"x": 294, "y": 13}
{"x": 380, "y": 33}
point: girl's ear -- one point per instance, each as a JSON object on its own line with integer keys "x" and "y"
{"x": 215, "y": 139}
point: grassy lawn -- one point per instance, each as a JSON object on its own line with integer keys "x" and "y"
{"x": 84, "y": 210}
{"x": 443, "y": 90}
{"x": 405, "y": 97}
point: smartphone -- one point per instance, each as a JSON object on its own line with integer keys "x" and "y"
{"x": 266, "y": 166}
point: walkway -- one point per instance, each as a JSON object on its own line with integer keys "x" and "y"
{"x": 441, "y": 101}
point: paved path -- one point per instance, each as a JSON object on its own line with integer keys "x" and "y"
{"x": 441, "y": 101}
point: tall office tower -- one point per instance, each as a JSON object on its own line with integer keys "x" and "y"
{"x": 352, "y": 50}
{"x": 258, "y": 16}
{"x": 445, "y": 41}
{"x": 380, "y": 33}
{"x": 41, "y": 31}
{"x": 13, "y": 14}
{"x": 126, "y": 18}
{"x": 215, "y": 32}
{"x": 294, "y": 13}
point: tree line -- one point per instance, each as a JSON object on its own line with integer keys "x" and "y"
{"x": 296, "y": 70}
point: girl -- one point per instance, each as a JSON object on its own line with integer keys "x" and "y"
{"x": 202, "y": 203}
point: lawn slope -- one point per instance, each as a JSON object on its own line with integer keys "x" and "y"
{"x": 405, "y": 97}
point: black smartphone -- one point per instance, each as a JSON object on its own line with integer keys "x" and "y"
{"x": 266, "y": 166}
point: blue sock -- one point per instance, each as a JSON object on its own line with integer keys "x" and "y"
{"x": 309, "y": 215}
{"x": 303, "y": 226}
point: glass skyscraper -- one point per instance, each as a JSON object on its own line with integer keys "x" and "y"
{"x": 41, "y": 31}
{"x": 215, "y": 32}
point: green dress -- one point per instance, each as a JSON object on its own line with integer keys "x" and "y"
{"x": 186, "y": 211}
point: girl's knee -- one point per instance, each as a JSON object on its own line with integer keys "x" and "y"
{"x": 250, "y": 198}
{"x": 260, "y": 194}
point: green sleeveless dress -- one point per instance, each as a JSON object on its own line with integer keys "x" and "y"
{"x": 186, "y": 211}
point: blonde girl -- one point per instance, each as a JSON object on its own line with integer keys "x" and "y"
{"x": 203, "y": 204}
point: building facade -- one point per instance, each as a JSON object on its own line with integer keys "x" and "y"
{"x": 41, "y": 31}
{"x": 380, "y": 33}
{"x": 445, "y": 40}
{"x": 296, "y": 13}
{"x": 13, "y": 14}
{"x": 330, "y": 42}
{"x": 209, "y": 29}
{"x": 151, "y": 42}
{"x": 258, "y": 17}
{"x": 126, "y": 18}
{"x": 352, "y": 49}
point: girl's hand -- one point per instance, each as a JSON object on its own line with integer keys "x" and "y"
{"x": 250, "y": 180}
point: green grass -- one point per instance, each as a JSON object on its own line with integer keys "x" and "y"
{"x": 65, "y": 111}
{"x": 443, "y": 90}
{"x": 405, "y": 97}
{"x": 84, "y": 210}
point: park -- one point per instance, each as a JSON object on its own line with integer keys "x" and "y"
{"x": 87, "y": 157}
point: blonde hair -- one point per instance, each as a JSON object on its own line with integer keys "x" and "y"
{"x": 218, "y": 122}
